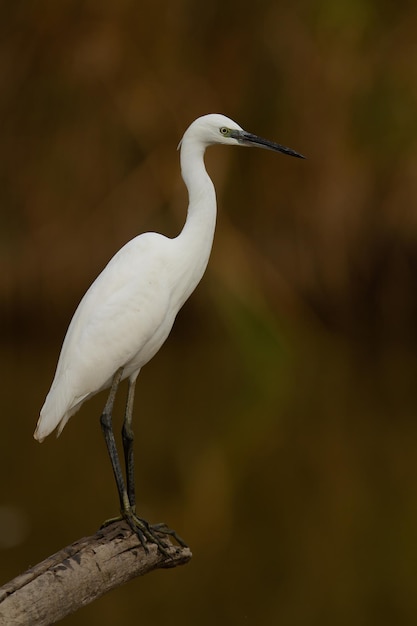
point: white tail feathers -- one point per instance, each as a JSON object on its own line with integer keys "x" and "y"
{"x": 46, "y": 425}
{"x": 55, "y": 413}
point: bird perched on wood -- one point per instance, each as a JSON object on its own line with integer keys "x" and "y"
{"x": 128, "y": 312}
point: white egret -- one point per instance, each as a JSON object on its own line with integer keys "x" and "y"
{"x": 128, "y": 312}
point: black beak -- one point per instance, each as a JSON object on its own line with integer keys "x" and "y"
{"x": 247, "y": 139}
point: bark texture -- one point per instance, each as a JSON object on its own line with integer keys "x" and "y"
{"x": 80, "y": 573}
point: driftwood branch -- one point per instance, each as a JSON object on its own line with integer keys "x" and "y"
{"x": 80, "y": 573}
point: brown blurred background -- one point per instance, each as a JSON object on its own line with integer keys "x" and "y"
{"x": 276, "y": 430}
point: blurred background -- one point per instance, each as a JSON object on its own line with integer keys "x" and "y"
{"x": 276, "y": 429}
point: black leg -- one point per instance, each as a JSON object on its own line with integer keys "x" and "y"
{"x": 146, "y": 533}
{"x": 128, "y": 437}
{"x": 107, "y": 428}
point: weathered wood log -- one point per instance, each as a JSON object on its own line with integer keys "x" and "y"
{"x": 81, "y": 573}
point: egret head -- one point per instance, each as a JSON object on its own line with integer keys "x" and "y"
{"x": 216, "y": 128}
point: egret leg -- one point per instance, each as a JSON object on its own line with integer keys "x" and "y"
{"x": 107, "y": 428}
{"x": 128, "y": 438}
{"x": 145, "y": 532}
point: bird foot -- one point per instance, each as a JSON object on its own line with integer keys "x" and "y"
{"x": 148, "y": 533}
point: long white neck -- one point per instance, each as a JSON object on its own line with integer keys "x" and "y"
{"x": 196, "y": 238}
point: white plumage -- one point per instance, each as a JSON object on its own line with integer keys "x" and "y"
{"x": 122, "y": 321}
{"x": 128, "y": 312}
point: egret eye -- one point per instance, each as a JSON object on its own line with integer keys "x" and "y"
{"x": 225, "y": 131}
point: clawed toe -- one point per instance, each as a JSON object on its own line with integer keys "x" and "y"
{"x": 163, "y": 529}
{"x": 148, "y": 534}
